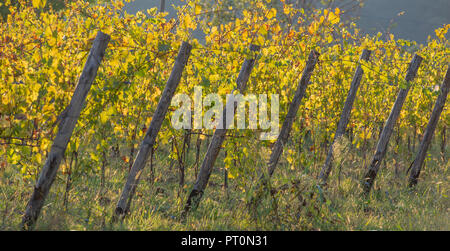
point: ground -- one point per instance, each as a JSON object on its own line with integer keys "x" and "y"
{"x": 296, "y": 201}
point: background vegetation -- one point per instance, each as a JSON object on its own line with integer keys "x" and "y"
{"x": 42, "y": 53}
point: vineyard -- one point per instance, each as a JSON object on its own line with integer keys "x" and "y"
{"x": 87, "y": 143}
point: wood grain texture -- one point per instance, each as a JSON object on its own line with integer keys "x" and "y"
{"x": 386, "y": 133}
{"x": 429, "y": 131}
{"x": 277, "y": 149}
{"x": 123, "y": 205}
{"x": 217, "y": 139}
{"x": 68, "y": 119}
{"x": 345, "y": 116}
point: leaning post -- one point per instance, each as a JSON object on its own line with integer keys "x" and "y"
{"x": 345, "y": 116}
{"x": 218, "y": 138}
{"x": 123, "y": 205}
{"x": 429, "y": 131}
{"x": 277, "y": 148}
{"x": 383, "y": 141}
{"x": 67, "y": 121}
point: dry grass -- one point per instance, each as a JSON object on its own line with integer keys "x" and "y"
{"x": 298, "y": 203}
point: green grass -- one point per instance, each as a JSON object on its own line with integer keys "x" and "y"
{"x": 300, "y": 205}
{"x": 157, "y": 206}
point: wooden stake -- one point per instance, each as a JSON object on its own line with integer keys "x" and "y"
{"x": 217, "y": 140}
{"x": 345, "y": 116}
{"x": 277, "y": 148}
{"x": 383, "y": 141}
{"x": 68, "y": 120}
{"x": 123, "y": 205}
{"x": 429, "y": 131}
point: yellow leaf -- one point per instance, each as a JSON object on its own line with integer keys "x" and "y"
{"x": 94, "y": 157}
{"x": 150, "y": 38}
{"x": 45, "y": 144}
{"x": 36, "y": 57}
{"x": 337, "y": 11}
{"x": 48, "y": 108}
{"x": 334, "y": 19}
{"x": 5, "y": 99}
{"x": 38, "y": 157}
{"x": 198, "y": 9}
{"x": 312, "y": 28}
{"x": 117, "y": 129}
{"x": 188, "y": 22}
{"x": 272, "y": 13}
{"x": 260, "y": 40}
{"x": 214, "y": 78}
{"x": 103, "y": 117}
{"x": 35, "y": 3}
{"x": 39, "y": 4}
{"x": 286, "y": 10}
{"x": 263, "y": 30}
{"x": 330, "y": 39}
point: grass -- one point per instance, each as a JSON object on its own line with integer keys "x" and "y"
{"x": 296, "y": 203}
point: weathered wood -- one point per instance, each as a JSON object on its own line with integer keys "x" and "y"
{"x": 443, "y": 143}
{"x": 68, "y": 120}
{"x": 123, "y": 205}
{"x": 217, "y": 139}
{"x": 162, "y": 6}
{"x": 383, "y": 141}
{"x": 429, "y": 131}
{"x": 277, "y": 148}
{"x": 198, "y": 144}
{"x": 345, "y": 116}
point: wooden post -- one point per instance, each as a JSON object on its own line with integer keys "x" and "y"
{"x": 277, "y": 148}
{"x": 383, "y": 141}
{"x": 217, "y": 140}
{"x": 429, "y": 131}
{"x": 443, "y": 143}
{"x": 123, "y": 205}
{"x": 198, "y": 144}
{"x": 345, "y": 116}
{"x": 225, "y": 175}
{"x": 162, "y": 6}
{"x": 68, "y": 120}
